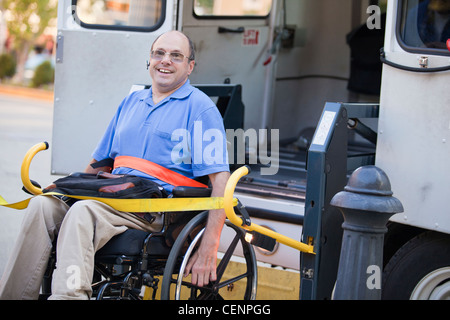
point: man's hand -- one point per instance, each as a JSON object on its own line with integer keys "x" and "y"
{"x": 90, "y": 169}
{"x": 203, "y": 263}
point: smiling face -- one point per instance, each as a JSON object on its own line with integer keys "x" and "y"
{"x": 168, "y": 76}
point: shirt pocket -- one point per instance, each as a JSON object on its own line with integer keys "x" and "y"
{"x": 170, "y": 125}
{"x": 173, "y": 145}
{"x": 163, "y": 133}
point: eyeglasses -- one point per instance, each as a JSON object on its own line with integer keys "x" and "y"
{"x": 174, "y": 56}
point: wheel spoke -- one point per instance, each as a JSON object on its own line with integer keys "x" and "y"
{"x": 231, "y": 280}
{"x": 214, "y": 290}
{"x": 226, "y": 258}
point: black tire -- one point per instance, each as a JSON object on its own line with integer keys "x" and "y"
{"x": 210, "y": 292}
{"x": 420, "y": 269}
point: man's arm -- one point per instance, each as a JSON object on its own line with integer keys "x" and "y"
{"x": 90, "y": 169}
{"x": 203, "y": 263}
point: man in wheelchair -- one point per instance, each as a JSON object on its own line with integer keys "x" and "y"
{"x": 140, "y": 139}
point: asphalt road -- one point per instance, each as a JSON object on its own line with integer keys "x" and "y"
{"x": 24, "y": 122}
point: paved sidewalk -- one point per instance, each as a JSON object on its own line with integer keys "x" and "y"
{"x": 25, "y": 92}
{"x": 26, "y": 117}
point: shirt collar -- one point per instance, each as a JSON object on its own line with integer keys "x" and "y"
{"x": 181, "y": 93}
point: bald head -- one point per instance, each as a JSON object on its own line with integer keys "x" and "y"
{"x": 180, "y": 34}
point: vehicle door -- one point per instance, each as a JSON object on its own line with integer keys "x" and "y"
{"x": 414, "y": 122}
{"x": 233, "y": 40}
{"x": 102, "y": 50}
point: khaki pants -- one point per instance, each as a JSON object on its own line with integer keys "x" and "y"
{"x": 81, "y": 229}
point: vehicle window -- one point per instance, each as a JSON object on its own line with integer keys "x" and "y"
{"x": 120, "y": 14}
{"x": 425, "y": 23}
{"x": 232, "y": 8}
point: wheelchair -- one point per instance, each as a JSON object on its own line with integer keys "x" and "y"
{"x": 134, "y": 265}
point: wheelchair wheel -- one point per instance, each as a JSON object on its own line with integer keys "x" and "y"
{"x": 232, "y": 282}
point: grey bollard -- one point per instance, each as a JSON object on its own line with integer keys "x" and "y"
{"x": 366, "y": 204}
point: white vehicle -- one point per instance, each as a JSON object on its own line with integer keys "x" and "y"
{"x": 289, "y": 61}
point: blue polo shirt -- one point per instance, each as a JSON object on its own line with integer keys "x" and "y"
{"x": 184, "y": 133}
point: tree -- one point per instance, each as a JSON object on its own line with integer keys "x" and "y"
{"x": 26, "y": 20}
{"x": 7, "y": 66}
{"x": 44, "y": 74}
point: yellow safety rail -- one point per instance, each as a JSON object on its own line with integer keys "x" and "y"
{"x": 25, "y": 169}
{"x": 228, "y": 202}
{"x": 231, "y": 215}
{"x": 127, "y": 205}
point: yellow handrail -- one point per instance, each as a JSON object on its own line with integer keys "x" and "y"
{"x": 231, "y": 215}
{"x": 128, "y": 205}
{"x": 228, "y": 201}
{"x": 25, "y": 169}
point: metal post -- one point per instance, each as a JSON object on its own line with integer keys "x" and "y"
{"x": 366, "y": 204}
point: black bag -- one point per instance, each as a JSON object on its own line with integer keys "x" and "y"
{"x": 107, "y": 185}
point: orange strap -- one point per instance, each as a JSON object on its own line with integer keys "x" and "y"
{"x": 157, "y": 171}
